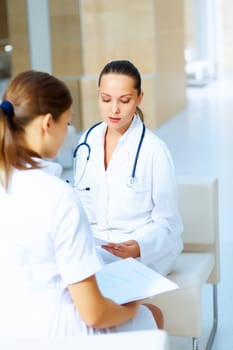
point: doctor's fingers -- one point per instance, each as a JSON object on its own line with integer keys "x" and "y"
{"x": 130, "y": 243}
{"x": 128, "y": 249}
{"x": 132, "y": 247}
{"x": 123, "y": 250}
{"x": 122, "y": 245}
{"x": 121, "y": 253}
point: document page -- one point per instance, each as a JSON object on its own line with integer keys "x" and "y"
{"x": 99, "y": 241}
{"x": 128, "y": 279}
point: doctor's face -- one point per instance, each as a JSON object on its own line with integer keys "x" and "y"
{"x": 118, "y": 100}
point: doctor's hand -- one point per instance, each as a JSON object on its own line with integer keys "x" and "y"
{"x": 128, "y": 249}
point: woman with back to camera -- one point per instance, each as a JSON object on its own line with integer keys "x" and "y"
{"x": 48, "y": 257}
{"x": 125, "y": 177}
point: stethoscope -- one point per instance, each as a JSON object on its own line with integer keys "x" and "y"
{"x": 131, "y": 179}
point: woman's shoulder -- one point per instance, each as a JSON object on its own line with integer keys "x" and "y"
{"x": 46, "y": 192}
{"x": 44, "y": 181}
{"x": 154, "y": 141}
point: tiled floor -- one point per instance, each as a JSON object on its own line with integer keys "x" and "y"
{"x": 201, "y": 142}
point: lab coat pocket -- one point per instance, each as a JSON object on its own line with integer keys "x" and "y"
{"x": 139, "y": 197}
{"x": 141, "y": 187}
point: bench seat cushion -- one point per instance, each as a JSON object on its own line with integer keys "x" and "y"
{"x": 182, "y": 307}
{"x": 192, "y": 269}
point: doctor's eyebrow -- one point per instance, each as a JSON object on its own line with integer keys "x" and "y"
{"x": 107, "y": 95}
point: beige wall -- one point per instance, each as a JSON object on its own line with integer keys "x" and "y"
{"x": 85, "y": 35}
{"x": 18, "y": 33}
{"x": 65, "y": 37}
{"x": 169, "y": 56}
{"x": 111, "y": 30}
{"x": 152, "y": 37}
{"x": 66, "y": 51}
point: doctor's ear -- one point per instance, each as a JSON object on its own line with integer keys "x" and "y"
{"x": 140, "y": 97}
{"x": 47, "y": 121}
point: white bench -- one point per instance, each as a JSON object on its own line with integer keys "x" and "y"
{"x": 150, "y": 340}
{"x": 198, "y": 263}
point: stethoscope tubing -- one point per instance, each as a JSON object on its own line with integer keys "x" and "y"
{"x": 86, "y": 144}
{"x": 138, "y": 151}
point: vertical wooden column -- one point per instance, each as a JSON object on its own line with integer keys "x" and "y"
{"x": 66, "y": 50}
{"x": 170, "y": 83}
{"x": 3, "y": 20}
{"x": 18, "y": 34}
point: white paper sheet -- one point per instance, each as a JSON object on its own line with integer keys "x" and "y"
{"x": 100, "y": 241}
{"x": 127, "y": 280}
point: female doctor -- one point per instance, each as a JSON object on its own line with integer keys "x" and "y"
{"x": 125, "y": 177}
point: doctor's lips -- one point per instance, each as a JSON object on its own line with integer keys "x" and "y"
{"x": 114, "y": 120}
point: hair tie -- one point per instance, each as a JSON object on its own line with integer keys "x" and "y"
{"x": 7, "y": 108}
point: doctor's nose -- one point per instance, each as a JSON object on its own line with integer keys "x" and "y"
{"x": 115, "y": 108}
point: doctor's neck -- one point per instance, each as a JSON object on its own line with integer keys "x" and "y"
{"x": 117, "y": 132}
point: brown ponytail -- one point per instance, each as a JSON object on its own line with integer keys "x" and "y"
{"x": 7, "y": 153}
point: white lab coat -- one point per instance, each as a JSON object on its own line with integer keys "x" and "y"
{"x": 147, "y": 212}
{"x": 45, "y": 245}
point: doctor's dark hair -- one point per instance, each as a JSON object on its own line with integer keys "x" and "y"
{"x": 124, "y": 67}
{"x": 29, "y": 95}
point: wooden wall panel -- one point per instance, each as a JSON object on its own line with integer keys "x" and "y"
{"x": 65, "y": 37}
{"x": 170, "y": 87}
{"x": 89, "y": 102}
{"x": 74, "y": 87}
{"x": 112, "y": 30}
{"x": 3, "y": 20}
{"x": 18, "y": 33}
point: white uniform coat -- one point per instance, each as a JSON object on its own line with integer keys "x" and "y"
{"x": 45, "y": 245}
{"x": 147, "y": 211}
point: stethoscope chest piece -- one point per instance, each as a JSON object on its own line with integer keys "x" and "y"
{"x": 130, "y": 181}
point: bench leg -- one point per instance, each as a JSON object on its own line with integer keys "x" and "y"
{"x": 195, "y": 344}
{"x": 214, "y": 325}
{"x": 215, "y": 318}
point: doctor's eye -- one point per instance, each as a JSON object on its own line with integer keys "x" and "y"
{"x": 106, "y": 100}
{"x": 125, "y": 101}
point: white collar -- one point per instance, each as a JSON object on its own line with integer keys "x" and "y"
{"x": 49, "y": 166}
